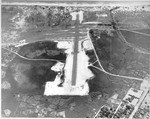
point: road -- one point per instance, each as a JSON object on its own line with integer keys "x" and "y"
{"x": 103, "y": 70}
{"x": 139, "y": 103}
{"x": 127, "y": 77}
{"x": 75, "y": 52}
{"x": 74, "y": 68}
{"x": 122, "y": 38}
{"x": 75, "y": 32}
{"x": 141, "y": 50}
{"x": 135, "y": 32}
{"x": 30, "y": 58}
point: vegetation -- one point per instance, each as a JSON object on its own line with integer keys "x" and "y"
{"x": 49, "y": 17}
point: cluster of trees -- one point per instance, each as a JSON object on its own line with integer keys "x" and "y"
{"x": 90, "y": 16}
{"x": 52, "y": 17}
{"x": 10, "y": 9}
{"x": 102, "y": 42}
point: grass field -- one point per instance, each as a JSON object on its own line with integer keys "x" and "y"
{"x": 137, "y": 39}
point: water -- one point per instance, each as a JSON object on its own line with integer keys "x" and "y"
{"x": 49, "y": 49}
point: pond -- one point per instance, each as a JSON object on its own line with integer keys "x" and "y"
{"x": 42, "y": 50}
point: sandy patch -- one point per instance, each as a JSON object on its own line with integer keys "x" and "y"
{"x": 83, "y": 74}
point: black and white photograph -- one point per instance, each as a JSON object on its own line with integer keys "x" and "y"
{"x": 75, "y": 59}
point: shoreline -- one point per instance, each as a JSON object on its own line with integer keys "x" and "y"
{"x": 79, "y": 3}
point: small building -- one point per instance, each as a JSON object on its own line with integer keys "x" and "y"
{"x": 133, "y": 96}
{"x": 80, "y": 16}
{"x": 134, "y": 92}
{"x": 134, "y": 101}
{"x": 75, "y": 13}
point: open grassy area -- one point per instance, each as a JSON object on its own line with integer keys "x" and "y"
{"x": 27, "y": 78}
{"x": 139, "y": 40}
{"x": 116, "y": 57}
